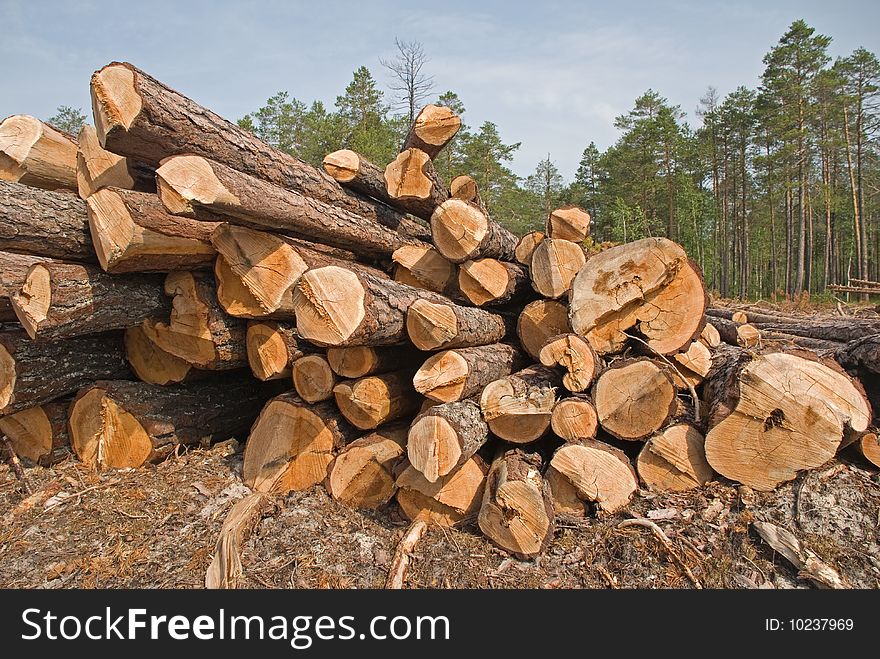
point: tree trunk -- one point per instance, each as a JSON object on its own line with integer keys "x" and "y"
{"x": 861, "y": 355}
{"x": 433, "y": 128}
{"x": 362, "y": 475}
{"x": 574, "y": 419}
{"x": 44, "y": 223}
{"x": 313, "y": 378}
{"x": 451, "y": 500}
{"x": 458, "y": 374}
{"x": 518, "y": 407}
{"x": 596, "y": 472}
{"x": 826, "y": 328}
{"x": 538, "y": 322}
{"x": 526, "y": 247}
{"x": 97, "y": 168}
{"x": 444, "y": 437}
{"x": 132, "y": 232}
{"x": 39, "y": 433}
{"x": 358, "y": 361}
{"x": 462, "y": 231}
{"x": 576, "y": 356}
{"x": 273, "y": 347}
{"x": 412, "y": 184}
{"x": 569, "y": 223}
{"x": 153, "y": 365}
{"x": 489, "y": 281}
{"x": 33, "y": 153}
{"x": 439, "y": 326}
{"x": 424, "y": 267}
{"x": 674, "y": 460}
{"x": 13, "y": 271}
{"x": 60, "y": 300}
{"x": 369, "y": 402}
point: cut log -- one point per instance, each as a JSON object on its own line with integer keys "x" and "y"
{"x": 490, "y": 281}
{"x": 358, "y": 361}
{"x": 574, "y": 354}
{"x": 198, "y": 330}
{"x": 44, "y": 223}
{"x": 745, "y": 335}
{"x": 118, "y": 424}
{"x": 339, "y": 307}
{"x": 423, "y": 266}
{"x": 526, "y": 247}
{"x": 451, "y": 500}
{"x": 196, "y": 187}
{"x": 649, "y": 286}
{"x": 776, "y": 414}
{"x": 33, "y": 153}
{"x": 97, "y": 168}
{"x": 413, "y": 185}
{"x": 554, "y": 265}
{"x": 153, "y": 365}
{"x": 132, "y": 232}
{"x": 634, "y": 398}
{"x": 461, "y": 373}
{"x": 710, "y": 336}
{"x": 369, "y": 402}
{"x": 869, "y": 446}
{"x": 540, "y": 321}
{"x": 60, "y": 300}
{"x": 39, "y": 433}
{"x": 674, "y": 460}
{"x": 434, "y": 128}
{"x": 362, "y": 475}
{"x": 438, "y": 326}
{"x": 465, "y": 188}
{"x": 354, "y": 171}
{"x": 273, "y": 347}
{"x": 823, "y": 328}
{"x": 292, "y": 443}
{"x": 517, "y": 509}
{"x": 694, "y": 363}
{"x": 139, "y": 117}
{"x": 313, "y": 378}
{"x": 861, "y": 355}
{"x": 462, "y": 231}
{"x": 569, "y": 223}
{"x": 739, "y": 317}
{"x": 36, "y": 372}
{"x": 599, "y": 473}
{"x": 574, "y": 419}
{"x": 13, "y": 271}
{"x": 444, "y": 437}
{"x": 518, "y": 407}
{"x": 566, "y": 500}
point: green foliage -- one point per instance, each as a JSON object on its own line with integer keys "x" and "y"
{"x": 68, "y": 119}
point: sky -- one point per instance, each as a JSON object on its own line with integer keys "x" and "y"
{"x": 552, "y": 75}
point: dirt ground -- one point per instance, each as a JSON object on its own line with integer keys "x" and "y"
{"x": 156, "y": 527}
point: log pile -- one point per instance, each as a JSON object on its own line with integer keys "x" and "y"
{"x": 370, "y": 328}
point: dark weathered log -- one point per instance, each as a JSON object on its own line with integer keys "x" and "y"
{"x": 33, "y": 153}
{"x": 861, "y": 355}
{"x": 462, "y": 231}
{"x": 370, "y": 401}
{"x": 97, "y": 168}
{"x": 273, "y": 347}
{"x": 443, "y": 326}
{"x": 433, "y": 128}
{"x": 413, "y": 184}
{"x": 60, "y": 300}
{"x": 824, "y": 328}
{"x": 44, "y": 223}
{"x": 39, "y": 433}
{"x": 518, "y": 407}
{"x": 362, "y": 475}
{"x": 538, "y": 322}
{"x": 36, "y": 372}
{"x": 444, "y": 437}
{"x": 451, "y": 500}
{"x": 490, "y": 281}
{"x": 13, "y": 271}
{"x": 461, "y": 373}
{"x": 153, "y": 365}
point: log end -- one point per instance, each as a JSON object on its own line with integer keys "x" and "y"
{"x": 433, "y": 447}
{"x": 184, "y": 182}
{"x": 313, "y": 378}
{"x": 29, "y": 432}
{"x": 442, "y": 377}
{"x": 329, "y": 305}
{"x": 429, "y": 325}
{"x": 569, "y": 223}
{"x": 104, "y": 435}
{"x": 32, "y": 301}
{"x": 539, "y": 321}
{"x": 483, "y": 280}
{"x": 342, "y": 165}
{"x": 674, "y": 460}
{"x": 267, "y": 352}
{"x": 152, "y": 364}
{"x": 458, "y": 228}
{"x": 436, "y": 125}
{"x": 18, "y": 135}
{"x": 598, "y": 472}
{"x": 634, "y": 399}
{"x": 7, "y": 378}
{"x": 112, "y": 228}
{"x": 405, "y": 178}
{"x": 116, "y": 102}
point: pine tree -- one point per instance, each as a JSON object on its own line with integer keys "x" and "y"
{"x": 68, "y": 119}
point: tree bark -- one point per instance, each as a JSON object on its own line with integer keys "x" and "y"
{"x": 444, "y": 326}
{"x": 489, "y": 281}
{"x": 433, "y": 128}
{"x": 370, "y": 401}
{"x": 362, "y": 475}
{"x": 97, "y": 168}
{"x": 518, "y": 407}
{"x": 462, "y": 231}
{"x": 33, "y": 153}
{"x": 39, "y": 433}
{"x": 412, "y": 184}
{"x": 458, "y": 374}
{"x": 444, "y": 437}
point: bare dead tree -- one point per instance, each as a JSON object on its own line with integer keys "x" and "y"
{"x": 410, "y": 86}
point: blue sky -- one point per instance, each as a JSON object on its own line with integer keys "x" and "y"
{"x": 552, "y": 75}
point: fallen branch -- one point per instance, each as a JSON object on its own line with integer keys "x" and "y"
{"x": 401, "y": 559}
{"x": 808, "y": 564}
{"x": 665, "y": 541}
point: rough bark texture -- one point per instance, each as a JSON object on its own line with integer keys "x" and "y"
{"x": 34, "y": 153}
{"x": 526, "y": 247}
{"x": 451, "y": 500}
{"x": 517, "y": 510}
{"x": 674, "y": 460}
{"x": 60, "y": 300}
{"x": 132, "y": 232}
{"x": 825, "y": 328}
{"x": 462, "y": 231}
{"x": 36, "y": 372}
{"x": 464, "y": 372}
{"x": 598, "y": 472}
{"x": 574, "y": 419}
{"x": 118, "y": 424}
{"x": 439, "y": 326}
{"x": 362, "y": 475}
{"x": 369, "y": 402}
{"x": 413, "y": 185}
{"x": 358, "y": 361}
{"x": 153, "y": 365}
{"x": 433, "y": 128}
{"x": 273, "y": 347}
{"x": 13, "y": 270}
{"x": 554, "y": 265}
{"x": 444, "y": 437}
{"x": 569, "y": 223}
{"x": 574, "y": 354}
{"x": 39, "y": 433}
{"x": 538, "y": 322}
{"x": 313, "y": 378}
{"x": 518, "y": 407}
{"x": 44, "y": 223}
{"x": 490, "y": 281}
{"x": 97, "y": 168}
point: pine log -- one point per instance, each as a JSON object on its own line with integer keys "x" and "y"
{"x": 773, "y": 415}
{"x": 569, "y": 223}
{"x": 462, "y": 231}
{"x": 362, "y": 474}
{"x": 97, "y": 168}
{"x": 139, "y": 117}
{"x": 443, "y": 326}
{"x": 674, "y": 460}
{"x": 444, "y": 437}
{"x": 44, "y": 223}
{"x": 518, "y": 407}
{"x": 132, "y": 232}
{"x": 781, "y": 339}
{"x": 710, "y": 336}
{"x": 517, "y": 509}
{"x": 313, "y": 378}
{"x": 153, "y": 365}
{"x": 273, "y": 347}
{"x": 115, "y": 424}
{"x": 413, "y": 185}
{"x": 693, "y": 364}
{"x": 869, "y": 446}
{"x": 490, "y": 281}
{"x": 423, "y": 266}
{"x": 566, "y": 500}
{"x": 292, "y": 444}
{"x": 824, "y": 328}
{"x": 358, "y": 361}
{"x": 538, "y": 322}
{"x": 649, "y": 286}
{"x": 526, "y": 247}
{"x": 60, "y": 300}
{"x": 339, "y": 307}
{"x": 354, "y": 171}
{"x": 574, "y": 419}
{"x": 465, "y": 188}
{"x": 13, "y": 271}
{"x": 196, "y": 187}
{"x": 744, "y": 335}
{"x": 36, "y": 372}
{"x": 198, "y": 330}
{"x": 39, "y": 433}
{"x": 574, "y": 354}
{"x": 597, "y": 472}
{"x": 739, "y": 317}
{"x": 33, "y": 153}
{"x": 433, "y": 128}
{"x": 461, "y": 373}
{"x": 370, "y": 401}
{"x": 451, "y": 500}
{"x": 554, "y": 265}
{"x": 634, "y": 398}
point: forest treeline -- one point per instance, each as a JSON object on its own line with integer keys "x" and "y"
{"x": 772, "y": 190}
